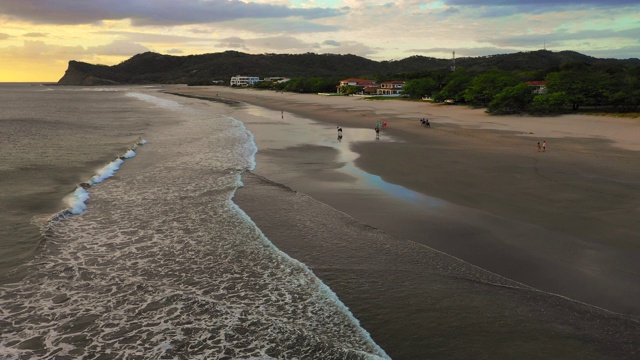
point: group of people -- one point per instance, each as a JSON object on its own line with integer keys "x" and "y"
{"x": 425, "y": 122}
{"x": 542, "y": 147}
{"x": 377, "y": 129}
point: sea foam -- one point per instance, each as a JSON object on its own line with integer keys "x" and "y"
{"x": 77, "y": 200}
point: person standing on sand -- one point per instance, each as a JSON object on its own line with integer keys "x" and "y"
{"x": 544, "y": 146}
{"x": 377, "y": 132}
{"x": 539, "y": 147}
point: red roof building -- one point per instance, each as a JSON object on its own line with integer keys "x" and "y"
{"x": 540, "y": 86}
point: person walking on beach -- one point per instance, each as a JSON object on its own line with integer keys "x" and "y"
{"x": 377, "y": 132}
{"x": 544, "y": 146}
{"x": 539, "y": 147}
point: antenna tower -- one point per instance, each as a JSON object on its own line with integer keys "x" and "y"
{"x": 453, "y": 67}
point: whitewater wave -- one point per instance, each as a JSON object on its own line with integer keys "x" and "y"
{"x": 77, "y": 200}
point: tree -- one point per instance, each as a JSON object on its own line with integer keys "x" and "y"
{"x": 485, "y": 87}
{"x": 349, "y": 89}
{"x": 512, "y": 100}
{"x": 418, "y": 88}
{"x": 581, "y": 84}
{"x": 547, "y": 104}
{"x": 455, "y": 87}
{"x": 625, "y": 93}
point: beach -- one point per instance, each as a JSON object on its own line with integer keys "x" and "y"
{"x": 472, "y": 186}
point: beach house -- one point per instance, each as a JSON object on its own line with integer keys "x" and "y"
{"x": 390, "y": 88}
{"x": 240, "y": 80}
{"x": 539, "y": 87}
{"x": 360, "y": 84}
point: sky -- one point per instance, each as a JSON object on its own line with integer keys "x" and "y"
{"x": 39, "y": 37}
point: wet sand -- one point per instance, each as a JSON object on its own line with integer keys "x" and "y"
{"x": 563, "y": 221}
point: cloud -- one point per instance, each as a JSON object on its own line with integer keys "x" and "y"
{"x": 281, "y": 26}
{"x": 40, "y": 49}
{"x": 273, "y": 43}
{"x": 152, "y": 37}
{"x": 351, "y": 47}
{"x": 627, "y": 52}
{"x": 560, "y": 36}
{"x": 288, "y": 44}
{"x": 463, "y": 52}
{"x": 157, "y": 12}
{"x": 232, "y": 43}
{"x": 35, "y": 35}
{"x": 4, "y": 36}
{"x": 118, "y": 48}
{"x": 594, "y": 3}
{"x": 503, "y": 8}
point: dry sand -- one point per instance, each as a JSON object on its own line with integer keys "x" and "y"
{"x": 564, "y": 221}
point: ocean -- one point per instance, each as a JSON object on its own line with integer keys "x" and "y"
{"x": 119, "y": 237}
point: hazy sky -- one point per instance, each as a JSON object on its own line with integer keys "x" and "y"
{"x": 39, "y": 37}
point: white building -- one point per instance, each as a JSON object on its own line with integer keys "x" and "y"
{"x": 393, "y": 88}
{"x": 278, "y": 79}
{"x": 240, "y": 80}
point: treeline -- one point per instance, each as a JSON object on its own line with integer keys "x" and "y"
{"x": 315, "y": 84}
{"x": 569, "y": 87}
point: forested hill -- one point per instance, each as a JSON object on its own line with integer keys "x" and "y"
{"x": 149, "y": 67}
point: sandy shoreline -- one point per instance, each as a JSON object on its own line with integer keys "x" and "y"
{"x": 563, "y": 221}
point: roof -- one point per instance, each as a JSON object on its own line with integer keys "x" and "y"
{"x": 358, "y": 81}
{"x": 537, "y": 83}
{"x": 394, "y": 82}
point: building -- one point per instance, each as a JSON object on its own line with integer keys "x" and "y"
{"x": 393, "y": 88}
{"x": 240, "y": 80}
{"x": 539, "y": 87}
{"x": 359, "y": 83}
{"x": 277, "y": 79}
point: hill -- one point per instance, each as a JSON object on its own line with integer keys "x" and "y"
{"x": 153, "y": 68}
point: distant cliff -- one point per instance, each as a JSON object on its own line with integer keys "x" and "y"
{"x": 153, "y": 68}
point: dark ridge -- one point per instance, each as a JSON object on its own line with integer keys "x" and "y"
{"x": 153, "y": 68}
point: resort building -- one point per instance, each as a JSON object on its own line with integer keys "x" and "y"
{"x": 360, "y": 83}
{"x": 539, "y": 87}
{"x": 278, "y": 79}
{"x": 393, "y": 88}
{"x": 240, "y": 80}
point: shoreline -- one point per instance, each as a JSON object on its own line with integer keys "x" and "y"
{"x": 560, "y": 221}
{"x": 413, "y": 263}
